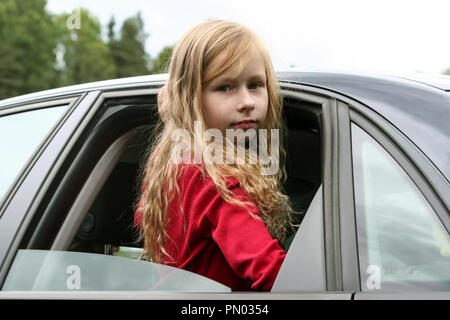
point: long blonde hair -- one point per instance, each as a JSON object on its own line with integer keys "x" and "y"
{"x": 190, "y": 59}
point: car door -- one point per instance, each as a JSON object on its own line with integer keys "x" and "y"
{"x": 402, "y": 219}
{"x": 354, "y": 242}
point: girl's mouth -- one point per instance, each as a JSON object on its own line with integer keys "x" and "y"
{"x": 245, "y": 124}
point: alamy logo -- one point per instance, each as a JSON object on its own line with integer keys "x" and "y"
{"x": 374, "y": 279}
{"x": 73, "y": 281}
{"x": 257, "y": 142}
{"x": 74, "y": 20}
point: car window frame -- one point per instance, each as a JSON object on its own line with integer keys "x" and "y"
{"x": 341, "y": 255}
{"x": 99, "y": 111}
{"x": 63, "y": 237}
{"x": 326, "y": 103}
{"x": 293, "y": 90}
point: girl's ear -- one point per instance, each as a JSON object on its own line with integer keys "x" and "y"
{"x": 162, "y": 102}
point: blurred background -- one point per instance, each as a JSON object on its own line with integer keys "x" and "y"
{"x": 52, "y": 43}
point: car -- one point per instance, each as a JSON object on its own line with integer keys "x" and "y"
{"x": 367, "y": 161}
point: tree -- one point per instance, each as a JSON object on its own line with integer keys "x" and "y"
{"x": 40, "y": 50}
{"x": 28, "y": 39}
{"x": 128, "y": 51}
{"x": 161, "y": 63}
{"x": 10, "y": 69}
{"x": 446, "y": 72}
{"x": 86, "y": 56}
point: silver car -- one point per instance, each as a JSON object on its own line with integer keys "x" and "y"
{"x": 367, "y": 163}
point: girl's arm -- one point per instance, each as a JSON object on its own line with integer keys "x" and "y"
{"x": 244, "y": 240}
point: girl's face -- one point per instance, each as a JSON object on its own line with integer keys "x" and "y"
{"x": 236, "y": 98}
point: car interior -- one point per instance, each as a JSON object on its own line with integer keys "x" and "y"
{"x": 108, "y": 224}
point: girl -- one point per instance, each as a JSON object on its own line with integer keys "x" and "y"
{"x": 220, "y": 220}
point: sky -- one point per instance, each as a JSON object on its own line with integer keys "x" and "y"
{"x": 381, "y": 36}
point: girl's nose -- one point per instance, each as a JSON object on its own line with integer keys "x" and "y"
{"x": 246, "y": 101}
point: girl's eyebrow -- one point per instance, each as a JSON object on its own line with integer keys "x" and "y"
{"x": 258, "y": 76}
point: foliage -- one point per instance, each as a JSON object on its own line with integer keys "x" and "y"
{"x": 28, "y": 39}
{"x": 447, "y": 72}
{"x": 161, "y": 63}
{"x": 86, "y": 57}
{"x": 39, "y": 51}
{"x": 128, "y": 51}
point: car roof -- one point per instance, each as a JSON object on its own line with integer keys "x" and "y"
{"x": 419, "y": 109}
{"x": 438, "y": 81}
{"x": 113, "y": 84}
{"x": 418, "y": 106}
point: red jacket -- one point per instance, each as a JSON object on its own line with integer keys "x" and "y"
{"x": 221, "y": 240}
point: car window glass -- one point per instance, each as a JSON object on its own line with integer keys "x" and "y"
{"x": 42, "y": 270}
{"x": 20, "y": 135}
{"x": 303, "y": 268}
{"x": 402, "y": 243}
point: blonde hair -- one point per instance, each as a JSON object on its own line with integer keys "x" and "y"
{"x": 190, "y": 59}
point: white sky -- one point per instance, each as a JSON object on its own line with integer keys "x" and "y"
{"x": 388, "y": 36}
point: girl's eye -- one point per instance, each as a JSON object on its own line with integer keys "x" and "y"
{"x": 224, "y": 88}
{"x": 255, "y": 85}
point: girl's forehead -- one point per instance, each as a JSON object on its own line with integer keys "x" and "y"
{"x": 219, "y": 64}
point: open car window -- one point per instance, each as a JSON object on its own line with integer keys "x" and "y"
{"x": 90, "y": 233}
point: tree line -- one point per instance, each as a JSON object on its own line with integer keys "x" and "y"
{"x": 40, "y": 50}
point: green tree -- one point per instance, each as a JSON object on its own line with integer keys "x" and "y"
{"x": 161, "y": 63}
{"x": 128, "y": 51}
{"x": 446, "y": 72}
{"x": 86, "y": 56}
{"x": 28, "y": 39}
{"x": 10, "y": 67}
{"x": 40, "y": 50}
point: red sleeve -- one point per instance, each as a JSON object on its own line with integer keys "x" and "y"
{"x": 245, "y": 242}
